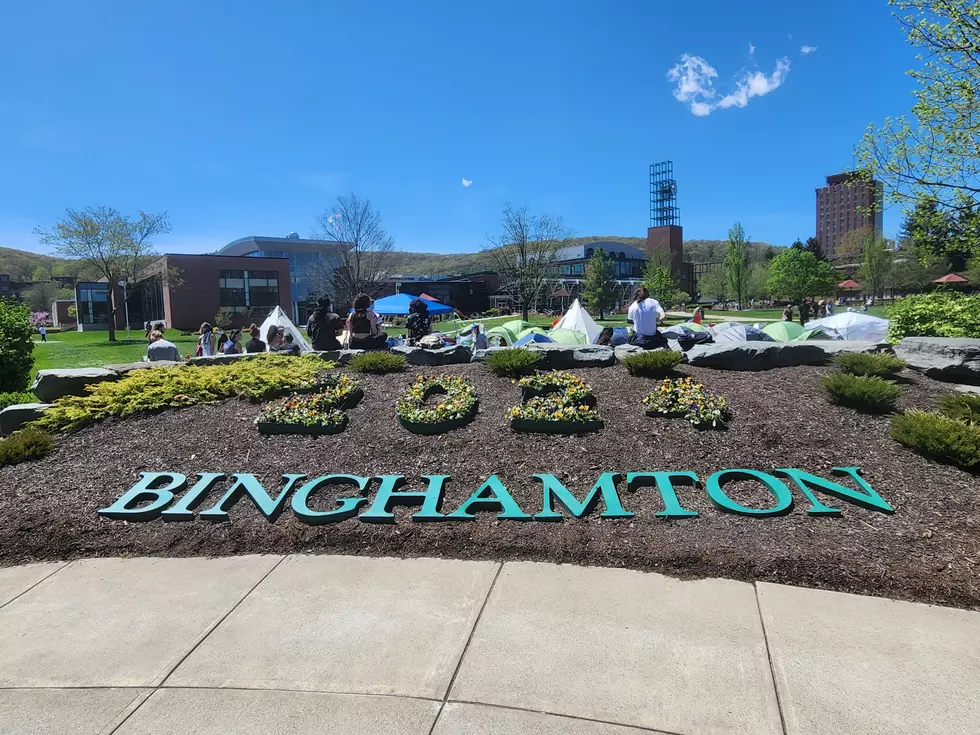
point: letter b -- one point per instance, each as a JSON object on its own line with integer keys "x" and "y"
{"x": 160, "y": 497}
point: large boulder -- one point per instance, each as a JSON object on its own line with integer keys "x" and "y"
{"x": 768, "y": 355}
{"x": 453, "y": 355}
{"x": 482, "y": 355}
{"x": 50, "y": 385}
{"x": 222, "y": 359}
{"x": 621, "y": 351}
{"x": 131, "y": 366}
{"x": 341, "y": 357}
{"x": 943, "y": 358}
{"x": 14, "y": 417}
{"x": 560, "y": 357}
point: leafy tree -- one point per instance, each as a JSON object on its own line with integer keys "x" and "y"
{"x": 930, "y": 232}
{"x": 758, "y": 282}
{"x": 798, "y": 274}
{"x": 16, "y": 347}
{"x": 660, "y": 283}
{"x": 909, "y": 273}
{"x": 713, "y": 284}
{"x": 737, "y": 262}
{"x": 524, "y": 254}
{"x": 41, "y": 295}
{"x": 355, "y": 256}
{"x": 875, "y": 270}
{"x": 936, "y": 151}
{"x": 599, "y": 284}
{"x": 114, "y": 245}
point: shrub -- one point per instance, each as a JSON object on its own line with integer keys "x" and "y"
{"x": 963, "y": 407}
{"x": 377, "y": 363}
{"x": 12, "y": 399}
{"x": 513, "y": 363}
{"x": 261, "y": 377}
{"x": 939, "y": 437}
{"x": 938, "y": 314}
{"x": 652, "y": 364}
{"x": 865, "y": 363}
{"x": 16, "y": 347}
{"x": 29, "y": 443}
{"x": 868, "y": 395}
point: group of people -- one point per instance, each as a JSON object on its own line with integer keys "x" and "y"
{"x": 212, "y": 342}
{"x": 363, "y": 325}
{"x": 810, "y": 310}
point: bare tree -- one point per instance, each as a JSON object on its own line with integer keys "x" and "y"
{"x": 114, "y": 245}
{"x": 525, "y": 253}
{"x": 356, "y": 253}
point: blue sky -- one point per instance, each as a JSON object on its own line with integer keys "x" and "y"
{"x": 250, "y": 117}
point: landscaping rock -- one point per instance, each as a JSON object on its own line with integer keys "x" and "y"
{"x": 453, "y": 355}
{"x": 560, "y": 357}
{"x": 222, "y": 359}
{"x": 482, "y": 355}
{"x": 622, "y": 351}
{"x": 768, "y": 355}
{"x": 14, "y": 417}
{"x": 942, "y": 358}
{"x": 131, "y": 366}
{"x": 341, "y": 357}
{"x": 50, "y": 385}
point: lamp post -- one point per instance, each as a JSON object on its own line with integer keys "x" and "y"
{"x": 126, "y": 307}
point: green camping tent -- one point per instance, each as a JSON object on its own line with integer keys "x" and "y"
{"x": 783, "y": 331}
{"x": 501, "y": 335}
{"x": 530, "y": 330}
{"x": 567, "y": 337}
{"x": 516, "y": 325}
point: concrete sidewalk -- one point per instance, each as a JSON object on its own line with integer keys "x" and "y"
{"x": 304, "y": 644}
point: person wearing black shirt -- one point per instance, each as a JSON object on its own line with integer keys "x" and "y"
{"x": 255, "y": 344}
{"x": 288, "y": 346}
{"x": 323, "y": 326}
{"x": 419, "y": 323}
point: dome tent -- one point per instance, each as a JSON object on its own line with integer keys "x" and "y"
{"x": 278, "y": 318}
{"x": 577, "y": 319}
{"x": 852, "y": 325}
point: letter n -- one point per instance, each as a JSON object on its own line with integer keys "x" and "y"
{"x": 247, "y": 485}
{"x": 868, "y": 499}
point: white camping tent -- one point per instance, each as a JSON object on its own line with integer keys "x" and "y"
{"x": 577, "y": 319}
{"x": 279, "y": 318}
{"x": 852, "y": 325}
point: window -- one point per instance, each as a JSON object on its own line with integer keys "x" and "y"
{"x": 231, "y": 290}
{"x": 262, "y": 289}
{"x": 93, "y": 303}
{"x": 578, "y": 269}
{"x": 240, "y": 291}
{"x": 564, "y": 270}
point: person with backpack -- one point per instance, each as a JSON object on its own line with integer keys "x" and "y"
{"x": 323, "y": 326}
{"x": 364, "y": 326}
{"x": 205, "y": 342}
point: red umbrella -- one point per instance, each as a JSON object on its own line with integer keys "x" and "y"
{"x": 848, "y": 284}
{"x": 951, "y": 278}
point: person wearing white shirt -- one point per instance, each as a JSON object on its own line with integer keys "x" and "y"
{"x": 644, "y": 313}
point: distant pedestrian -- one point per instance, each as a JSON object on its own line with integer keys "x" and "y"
{"x": 788, "y": 313}
{"x": 205, "y": 342}
{"x": 43, "y": 331}
{"x": 804, "y": 312}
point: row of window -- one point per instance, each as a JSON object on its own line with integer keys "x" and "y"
{"x": 240, "y": 291}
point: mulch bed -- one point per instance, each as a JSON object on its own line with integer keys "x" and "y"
{"x": 929, "y": 550}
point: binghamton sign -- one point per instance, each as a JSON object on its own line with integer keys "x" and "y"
{"x": 165, "y": 496}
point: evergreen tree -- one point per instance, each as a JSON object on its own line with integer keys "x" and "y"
{"x": 660, "y": 283}
{"x": 599, "y": 284}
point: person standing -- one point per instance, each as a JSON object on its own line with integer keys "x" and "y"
{"x": 161, "y": 349}
{"x": 233, "y": 345}
{"x": 804, "y": 312}
{"x": 788, "y": 313}
{"x": 43, "y": 331}
{"x": 205, "y": 342}
{"x": 644, "y": 313}
{"x": 323, "y": 326}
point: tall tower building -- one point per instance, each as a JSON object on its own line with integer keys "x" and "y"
{"x": 665, "y": 229}
{"x": 848, "y": 203}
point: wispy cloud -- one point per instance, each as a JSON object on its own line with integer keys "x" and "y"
{"x": 807, "y": 50}
{"x": 751, "y": 48}
{"x": 694, "y": 78}
{"x": 467, "y": 183}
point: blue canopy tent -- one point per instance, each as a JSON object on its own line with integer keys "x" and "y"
{"x": 532, "y": 337}
{"x": 398, "y": 305}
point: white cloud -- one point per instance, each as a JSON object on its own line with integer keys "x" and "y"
{"x": 807, "y": 50}
{"x": 751, "y": 48}
{"x": 467, "y": 183}
{"x": 695, "y": 84}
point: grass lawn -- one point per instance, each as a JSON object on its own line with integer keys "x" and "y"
{"x": 93, "y": 349}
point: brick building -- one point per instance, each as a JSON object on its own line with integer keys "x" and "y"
{"x": 848, "y": 204}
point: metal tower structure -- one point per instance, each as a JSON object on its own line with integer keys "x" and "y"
{"x": 663, "y": 195}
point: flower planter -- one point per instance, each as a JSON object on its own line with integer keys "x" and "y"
{"x": 437, "y": 427}
{"x": 528, "y": 393}
{"x": 538, "y": 426}
{"x": 654, "y": 413}
{"x": 272, "y": 427}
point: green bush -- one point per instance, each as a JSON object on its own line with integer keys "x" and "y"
{"x": 29, "y": 443}
{"x": 513, "y": 363}
{"x": 652, "y": 364}
{"x": 868, "y": 395}
{"x": 377, "y": 363}
{"x": 939, "y": 437}
{"x": 873, "y": 365}
{"x": 938, "y": 314}
{"x": 963, "y": 407}
{"x": 16, "y": 347}
{"x": 13, "y": 398}
{"x": 258, "y": 378}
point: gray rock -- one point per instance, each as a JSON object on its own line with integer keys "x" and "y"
{"x": 131, "y": 366}
{"x": 622, "y": 351}
{"x": 482, "y": 355}
{"x": 560, "y": 357}
{"x": 50, "y": 385}
{"x": 768, "y": 355}
{"x": 341, "y": 357}
{"x": 453, "y": 355}
{"x": 942, "y": 358}
{"x": 14, "y": 417}
{"x": 222, "y": 359}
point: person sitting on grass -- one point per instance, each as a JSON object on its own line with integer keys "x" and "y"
{"x": 288, "y": 347}
{"x": 233, "y": 345}
{"x": 419, "y": 323}
{"x": 364, "y": 326}
{"x": 323, "y": 326}
{"x": 255, "y": 344}
{"x": 161, "y": 349}
{"x": 644, "y": 313}
{"x": 273, "y": 337}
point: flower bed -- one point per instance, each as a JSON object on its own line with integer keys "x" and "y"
{"x": 315, "y": 413}
{"x": 340, "y": 391}
{"x": 555, "y": 403}
{"x": 456, "y": 408}
{"x": 682, "y": 397}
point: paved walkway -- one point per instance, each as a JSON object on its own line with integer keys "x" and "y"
{"x": 304, "y": 644}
